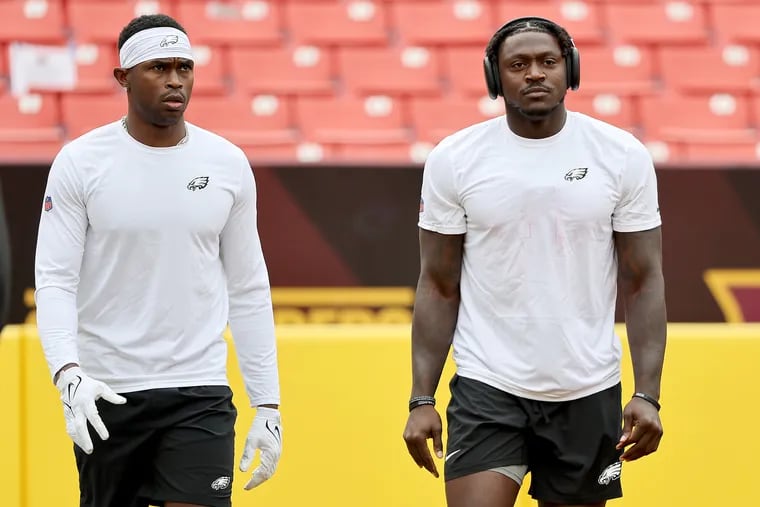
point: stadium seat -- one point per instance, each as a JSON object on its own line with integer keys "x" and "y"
{"x": 38, "y": 21}
{"x": 434, "y": 118}
{"x": 617, "y": 69}
{"x": 736, "y": 22}
{"x": 616, "y": 109}
{"x": 666, "y": 23}
{"x": 445, "y": 22}
{"x": 231, "y": 21}
{"x": 4, "y": 60}
{"x": 733, "y": 68}
{"x": 372, "y": 120}
{"x": 101, "y": 21}
{"x": 209, "y": 71}
{"x": 693, "y": 118}
{"x": 350, "y": 22}
{"x": 463, "y": 69}
{"x": 304, "y": 69}
{"x": 723, "y": 153}
{"x": 83, "y": 112}
{"x": 374, "y": 154}
{"x": 95, "y": 64}
{"x": 405, "y": 70}
{"x": 28, "y": 119}
{"x": 244, "y": 120}
{"x": 581, "y": 19}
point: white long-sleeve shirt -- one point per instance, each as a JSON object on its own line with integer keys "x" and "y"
{"x": 144, "y": 255}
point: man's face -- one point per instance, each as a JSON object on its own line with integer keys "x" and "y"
{"x": 160, "y": 89}
{"x": 532, "y": 72}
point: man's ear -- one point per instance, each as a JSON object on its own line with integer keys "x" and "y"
{"x": 121, "y": 76}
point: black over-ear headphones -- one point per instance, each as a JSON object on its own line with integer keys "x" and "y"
{"x": 572, "y": 62}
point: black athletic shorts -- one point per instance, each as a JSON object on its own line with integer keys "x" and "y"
{"x": 569, "y": 446}
{"x": 165, "y": 445}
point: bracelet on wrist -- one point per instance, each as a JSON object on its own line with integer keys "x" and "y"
{"x": 418, "y": 401}
{"x": 650, "y": 399}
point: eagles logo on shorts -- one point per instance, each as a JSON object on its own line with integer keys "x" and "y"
{"x": 220, "y": 483}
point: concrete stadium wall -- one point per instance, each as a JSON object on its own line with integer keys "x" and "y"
{"x": 344, "y": 396}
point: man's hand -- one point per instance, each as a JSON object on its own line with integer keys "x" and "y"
{"x": 265, "y": 435}
{"x": 78, "y": 394}
{"x": 423, "y": 423}
{"x": 642, "y": 427}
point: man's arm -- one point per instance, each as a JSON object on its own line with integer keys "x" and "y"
{"x": 643, "y": 293}
{"x": 250, "y": 314}
{"x": 436, "y": 307}
{"x": 60, "y": 248}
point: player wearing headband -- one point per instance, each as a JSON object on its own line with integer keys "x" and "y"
{"x": 147, "y": 248}
{"x": 526, "y": 222}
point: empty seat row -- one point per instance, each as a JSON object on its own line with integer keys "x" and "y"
{"x": 414, "y": 70}
{"x": 375, "y": 21}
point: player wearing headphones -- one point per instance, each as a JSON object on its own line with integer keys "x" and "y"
{"x": 526, "y": 222}
{"x": 147, "y": 248}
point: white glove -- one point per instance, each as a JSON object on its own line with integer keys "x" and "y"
{"x": 266, "y": 435}
{"x": 78, "y": 394}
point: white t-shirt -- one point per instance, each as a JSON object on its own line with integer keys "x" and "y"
{"x": 143, "y": 256}
{"x": 539, "y": 270}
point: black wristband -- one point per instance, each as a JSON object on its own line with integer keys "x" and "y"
{"x": 417, "y": 401}
{"x": 650, "y": 399}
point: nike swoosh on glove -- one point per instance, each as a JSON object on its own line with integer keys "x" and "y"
{"x": 265, "y": 435}
{"x": 78, "y": 394}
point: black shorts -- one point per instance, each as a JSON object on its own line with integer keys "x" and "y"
{"x": 569, "y": 447}
{"x": 165, "y": 445}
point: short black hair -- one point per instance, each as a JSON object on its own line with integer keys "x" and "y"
{"x": 145, "y": 22}
{"x": 529, "y": 25}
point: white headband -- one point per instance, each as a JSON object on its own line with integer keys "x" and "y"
{"x": 154, "y": 43}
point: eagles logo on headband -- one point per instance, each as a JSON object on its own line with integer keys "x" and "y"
{"x": 155, "y": 43}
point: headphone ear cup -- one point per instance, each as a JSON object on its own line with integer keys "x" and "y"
{"x": 573, "y": 62}
{"x": 492, "y": 78}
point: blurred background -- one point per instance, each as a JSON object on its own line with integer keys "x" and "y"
{"x": 337, "y": 103}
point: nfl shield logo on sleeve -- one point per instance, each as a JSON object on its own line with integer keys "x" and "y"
{"x": 48, "y": 203}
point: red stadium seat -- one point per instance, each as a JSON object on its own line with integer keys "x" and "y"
{"x": 736, "y": 23}
{"x": 373, "y": 154}
{"x": 349, "y": 22}
{"x": 95, "y": 64}
{"x": 372, "y": 120}
{"x": 31, "y": 118}
{"x": 83, "y": 112}
{"x": 617, "y": 69}
{"x": 667, "y": 22}
{"x": 245, "y": 121}
{"x": 695, "y": 118}
{"x": 102, "y": 21}
{"x": 394, "y": 70}
{"x": 231, "y": 21}
{"x": 463, "y": 68}
{"x": 434, "y": 118}
{"x": 612, "y": 108}
{"x": 304, "y": 69}
{"x": 706, "y": 152}
{"x": 209, "y": 71}
{"x": 443, "y": 22}
{"x": 4, "y": 70}
{"x": 730, "y": 68}
{"x": 582, "y": 20}
{"x": 32, "y": 21}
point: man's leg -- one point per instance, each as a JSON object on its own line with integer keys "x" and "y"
{"x": 194, "y": 457}
{"x": 547, "y": 504}
{"x": 485, "y": 450}
{"x": 112, "y": 475}
{"x": 482, "y": 489}
{"x": 571, "y": 450}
